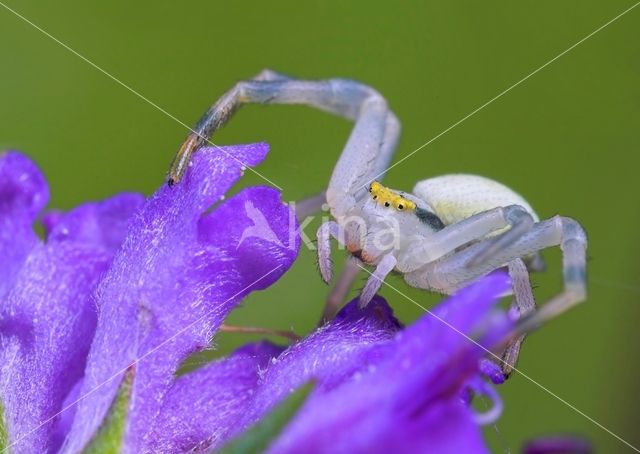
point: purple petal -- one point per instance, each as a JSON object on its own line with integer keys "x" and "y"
{"x": 203, "y": 406}
{"x": 66, "y": 417}
{"x": 480, "y": 387}
{"x": 405, "y": 399}
{"x": 492, "y": 370}
{"x": 173, "y": 282}
{"x": 332, "y": 354}
{"x": 103, "y": 224}
{"x": 450, "y": 332}
{"x": 559, "y": 445}
{"x": 23, "y": 188}
{"x": 23, "y": 194}
{"x": 47, "y": 322}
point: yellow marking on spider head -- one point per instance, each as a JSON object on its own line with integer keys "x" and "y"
{"x": 385, "y": 196}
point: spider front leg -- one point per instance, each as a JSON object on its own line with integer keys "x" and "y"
{"x": 338, "y": 293}
{"x": 325, "y": 232}
{"x": 342, "y": 97}
{"x": 385, "y": 266}
{"x": 340, "y": 290}
{"x": 365, "y": 156}
{"x": 215, "y": 117}
{"x": 352, "y": 267}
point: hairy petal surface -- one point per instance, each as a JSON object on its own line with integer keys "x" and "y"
{"x": 129, "y": 280}
{"x": 48, "y": 317}
{"x": 101, "y": 225}
{"x": 204, "y": 405}
{"x": 346, "y": 346}
{"x": 176, "y": 277}
{"x": 23, "y": 194}
{"x": 408, "y": 399}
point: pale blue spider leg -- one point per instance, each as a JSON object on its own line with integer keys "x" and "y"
{"x": 268, "y": 74}
{"x": 471, "y": 229}
{"x": 325, "y": 232}
{"x": 385, "y": 266}
{"x": 573, "y": 245}
{"x": 453, "y": 272}
{"x": 520, "y": 222}
{"x": 310, "y": 205}
{"x": 338, "y": 293}
{"x": 390, "y": 141}
{"x": 359, "y": 138}
{"x": 365, "y": 151}
{"x": 362, "y": 155}
{"x": 523, "y": 304}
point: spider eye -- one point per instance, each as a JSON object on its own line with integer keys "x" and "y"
{"x": 386, "y": 204}
{"x": 375, "y": 197}
{"x": 400, "y": 206}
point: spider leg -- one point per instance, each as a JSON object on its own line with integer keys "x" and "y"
{"x": 573, "y": 243}
{"x": 338, "y": 293}
{"x": 270, "y": 75}
{"x": 368, "y": 150}
{"x": 389, "y": 142}
{"x": 325, "y": 232}
{"x": 468, "y": 230}
{"x": 341, "y": 288}
{"x": 340, "y": 201}
{"x": 257, "y": 330}
{"x": 365, "y": 156}
{"x": 454, "y": 271}
{"x": 519, "y": 220}
{"x": 310, "y": 205}
{"x": 386, "y": 265}
{"x": 523, "y": 304}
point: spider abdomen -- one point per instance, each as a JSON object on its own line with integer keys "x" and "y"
{"x": 458, "y": 196}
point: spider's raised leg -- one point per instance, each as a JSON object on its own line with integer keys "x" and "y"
{"x": 367, "y": 150}
{"x": 340, "y": 290}
{"x": 366, "y": 154}
{"x": 454, "y": 271}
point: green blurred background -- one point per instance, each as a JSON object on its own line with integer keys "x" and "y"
{"x": 567, "y": 139}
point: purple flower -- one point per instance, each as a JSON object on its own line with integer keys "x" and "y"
{"x": 147, "y": 282}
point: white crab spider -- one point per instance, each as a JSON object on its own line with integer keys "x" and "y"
{"x": 451, "y": 230}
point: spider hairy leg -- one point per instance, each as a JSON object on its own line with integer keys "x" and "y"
{"x": 338, "y": 293}
{"x": 519, "y": 221}
{"x": 365, "y": 150}
{"x": 386, "y": 265}
{"x": 325, "y": 232}
{"x": 523, "y": 304}
{"x": 573, "y": 243}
